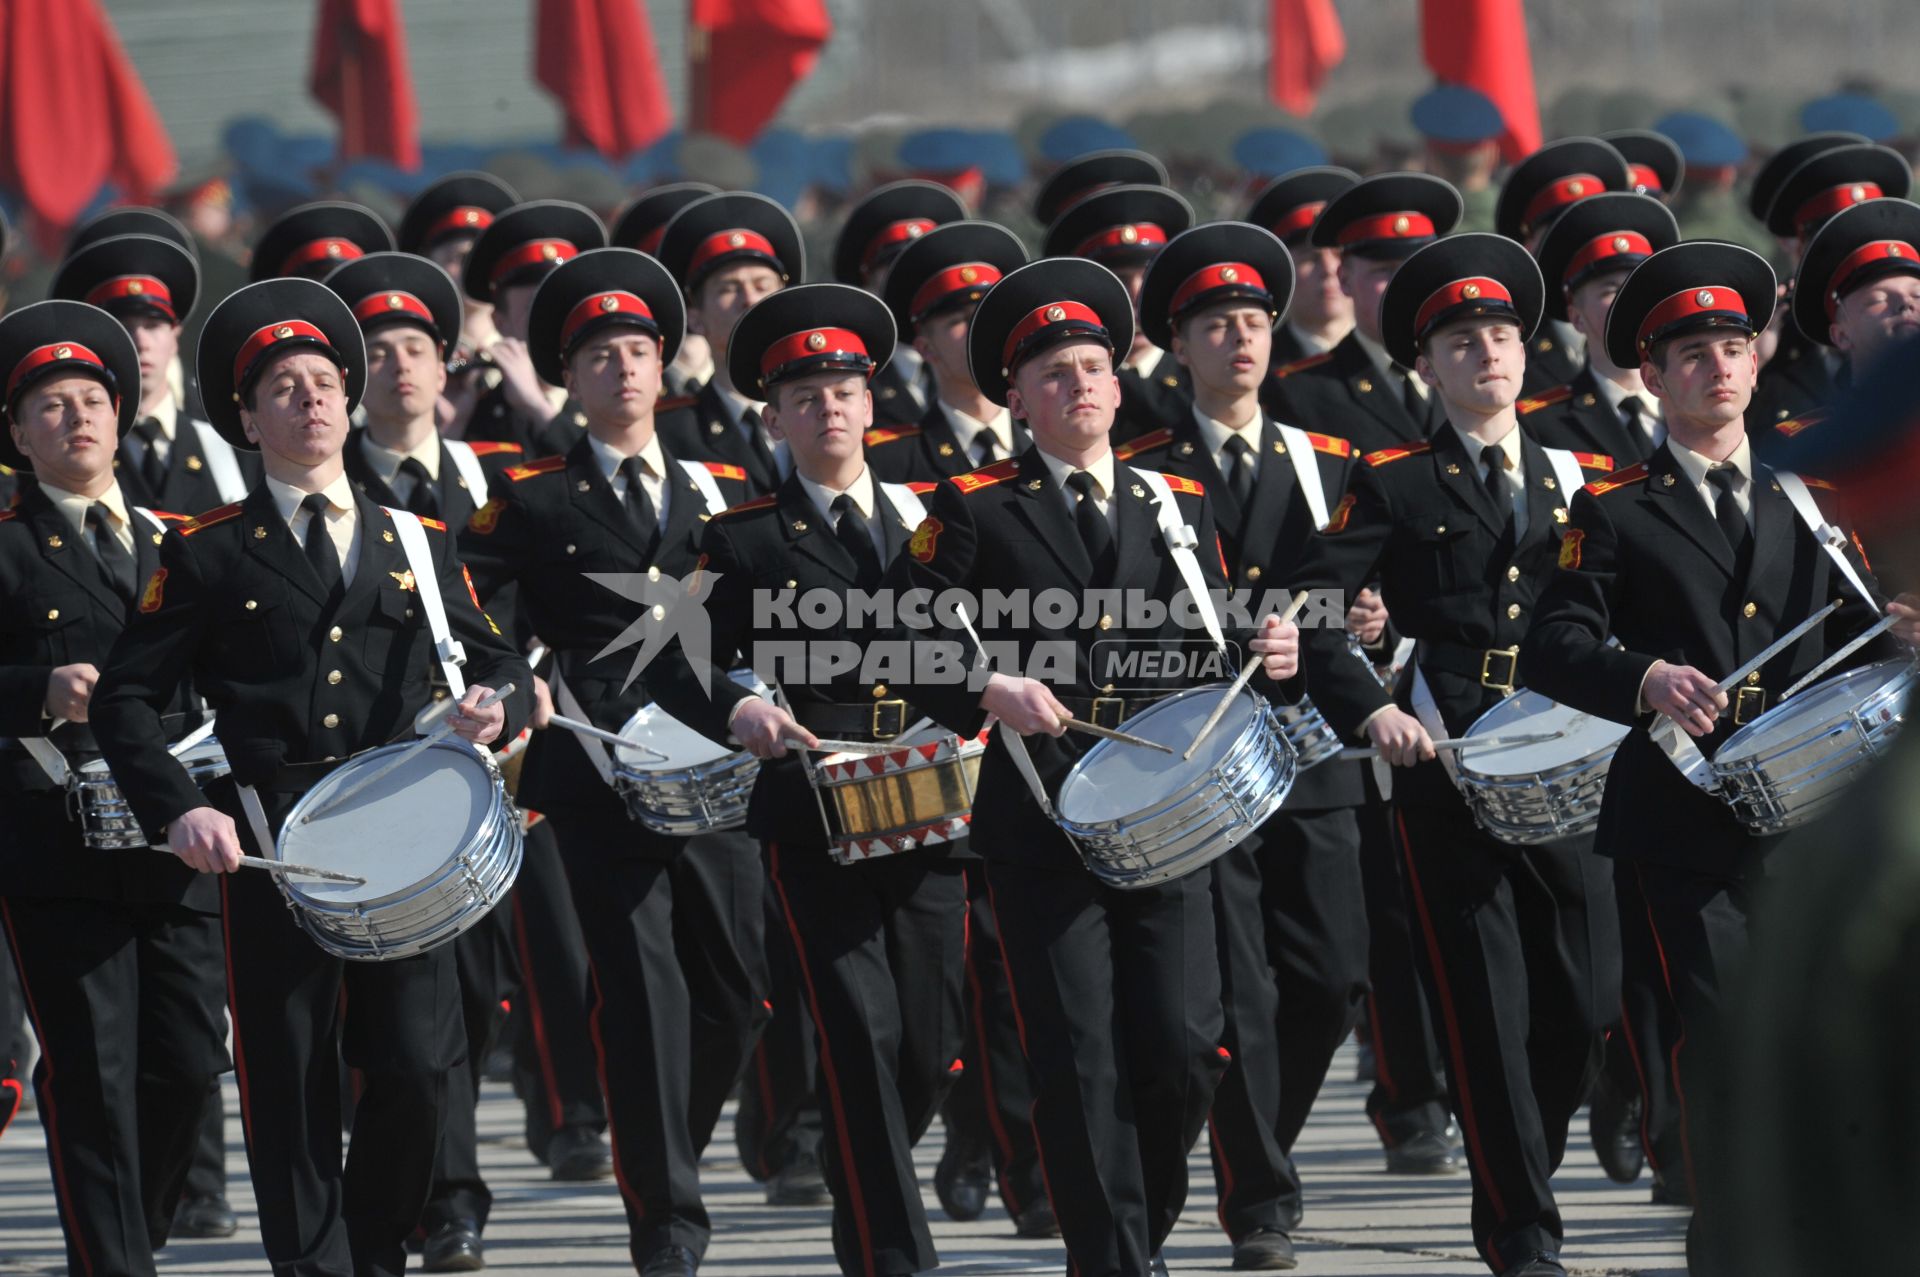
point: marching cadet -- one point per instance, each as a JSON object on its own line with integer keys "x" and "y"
{"x": 1122, "y": 228}
{"x": 309, "y": 241}
{"x": 1536, "y": 194}
{"x": 1695, "y": 561}
{"x": 504, "y": 268}
{"x": 1655, "y": 163}
{"x": 118, "y": 951}
{"x": 442, "y": 224}
{"x": 728, "y": 252}
{"x": 295, "y": 611}
{"x": 640, "y": 226}
{"x": 876, "y": 231}
{"x": 1356, "y": 386}
{"x": 1119, "y": 1098}
{"x": 1463, "y": 530}
{"x": 673, "y": 920}
{"x": 171, "y": 459}
{"x": 1321, "y": 313}
{"x": 1288, "y": 902}
{"x": 1094, "y": 171}
{"x": 881, "y": 941}
{"x": 1584, "y": 256}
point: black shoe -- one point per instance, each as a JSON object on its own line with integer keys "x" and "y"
{"x": 799, "y": 1182}
{"x": 1613, "y": 1122}
{"x": 670, "y": 1261}
{"x": 1671, "y": 1192}
{"x": 1426, "y": 1154}
{"x": 1264, "y": 1250}
{"x": 1037, "y": 1220}
{"x": 960, "y": 1180}
{"x": 1543, "y": 1264}
{"x": 578, "y": 1153}
{"x": 454, "y": 1247}
{"x": 204, "y": 1217}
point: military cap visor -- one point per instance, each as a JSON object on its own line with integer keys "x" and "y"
{"x": 642, "y": 223}
{"x": 53, "y": 339}
{"x": 1290, "y": 205}
{"x": 1694, "y": 285}
{"x": 813, "y": 328}
{"x": 133, "y": 221}
{"x": 384, "y": 289}
{"x": 1221, "y": 262}
{"x": 310, "y": 241}
{"x": 1857, "y": 246}
{"x": 1040, "y": 306}
{"x": 882, "y": 225}
{"x": 459, "y": 204}
{"x": 1123, "y": 224}
{"x": 131, "y": 276}
{"x": 1459, "y": 278}
{"x": 252, "y": 329}
{"x": 729, "y": 228}
{"x": 1095, "y": 171}
{"x": 1612, "y": 232}
{"x": 1654, "y": 161}
{"x": 598, "y": 290}
{"x": 1552, "y": 179}
{"x": 526, "y": 242}
{"x": 951, "y": 265}
{"x": 1836, "y": 179}
{"x": 1780, "y": 166}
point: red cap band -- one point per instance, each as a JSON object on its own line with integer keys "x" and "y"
{"x": 535, "y": 252}
{"x": 1714, "y": 299}
{"x": 465, "y": 220}
{"x": 1220, "y": 275}
{"x": 393, "y": 305}
{"x": 265, "y": 339}
{"x": 650, "y": 242}
{"x": 57, "y": 352}
{"x": 1298, "y": 219}
{"x": 897, "y": 233}
{"x": 725, "y": 242}
{"x": 1041, "y": 317}
{"x": 812, "y": 344}
{"x": 954, "y": 279}
{"x": 1386, "y": 226}
{"x": 1570, "y": 189}
{"x": 1460, "y": 292}
{"x": 1831, "y": 201}
{"x": 320, "y": 250}
{"x": 599, "y": 306}
{"x": 1600, "y": 248}
{"x": 140, "y": 288}
{"x": 1880, "y": 250}
{"x": 1132, "y": 235}
{"x": 1645, "y": 180}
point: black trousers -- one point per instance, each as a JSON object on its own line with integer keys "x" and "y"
{"x": 207, "y": 1174}
{"x": 1292, "y": 924}
{"x": 1640, "y": 1050}
{"x": 1522, "y": 950}
{"x": 1118, "y": 995}
{"x": 13, "y": 1039}
{"x": 881, "y": 949}
{"x": 673, "y": 935}
{"x": 779, "y": 1114}
{"x": 125, "y": 999}
{"x": 483, "y": 962}
{"x": 991, "y": 1106}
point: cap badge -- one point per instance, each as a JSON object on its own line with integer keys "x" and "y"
{"x": 63, "y": 352}
{"x": 1228, "y": 274}
{"x": 816, "y": 341}
{"x": 1893, "y": 250}
{"x": 394, "y": 302}
{"x": 1576, "y": 188}
{"x": 135, "y": 287}
{"x": 915, "y": 230}
{"x": 736, "y": 239}
{"x": 1621, "y": 243}
{"x": 1470, "y": 291}
{"x": 968, "y": 274}
{"x": 1056, "y": 313}
{"x": 1129, "y": 235}
{"x": 549, "y": 252}
{"x": 1704, "y": 297}
{"x": 283, "y": 332}
{"x": 1401, "y": 223}
{"x": 1857, "y": 193}
{"x": 609, "y": 303}
{"x": 333, "y": 248}
{"x": 471, "y": 216}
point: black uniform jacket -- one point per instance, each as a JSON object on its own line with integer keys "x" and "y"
{"x": 927, "y": 452}
{"x": 701, "y": 430}
{"x": 1153, "y": 401}
{"x": 1577, "y": 417}
{"x": 893, "y": 399}
{"x": 1341, "y": 393}
{"x": 457, "y": 501}
{"x": 1550, "y": 361}
{"x": 189, "y": 485}
{"x": 1795, "y": 381}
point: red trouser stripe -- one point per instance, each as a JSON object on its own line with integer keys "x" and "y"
{"x": 548, "y": 1074}
{"x": 991, "y": 1099}
{"x": 233, "y": 1013}
{"x": 1679, "y": 1088}
{"x": 627, "y": 1194}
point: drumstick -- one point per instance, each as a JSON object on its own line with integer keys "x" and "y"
{"x": 1463, "y": 742}
{"x": 1246, "y": 675}
{"x": 1107, "y": 733}
{"x": 612, "y": 738}
{"x": 282, "y": 867}
{"x": 1667, "y": 725}
{"x": 191, "y": 739}
{"x": 1867, "y": 636}
{"x": 826, "y": 746}
{"x": 440, "y": 732}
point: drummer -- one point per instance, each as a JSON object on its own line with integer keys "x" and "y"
{"x": 672, "y": 923}
{"x": 881, "y": 942}
{"x": 118, "y": 951}
{"x": 1695, "y": 561}
{"x": 1120, "y": 1097}
{"x": 296, "y": 611}
{"x": 1462, "y": 530}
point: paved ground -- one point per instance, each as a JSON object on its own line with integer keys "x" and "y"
{"x": 1359, "y": 1221}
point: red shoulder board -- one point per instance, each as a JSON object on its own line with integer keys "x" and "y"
{"x": 758, "y": 503}
{"x": 493, "y": 447}
{"x": 1619, "y": 479}
{"x": 1593, "y": 460}
{"x": 1385, "y": 455}
{"x": 545, "y": 465}
{"x": 987, "y": 476}
{"x": 8, "y": 514}
{"x": 1311, "y": 361}
{"x": 168, "y": 516}
{"x": 675, "y": 403}
{"x": 1332, "y": 445}
{"x": 435, "y": 524}
{"x": 1145, "y": 443}
{"x": 1794, "y": 425}
{"x": 1821, "y": 484}
{"x": 888, "y": 434}
{"x": 1180, "y": 483}
{"x": 210, "y": 518}
{"x": 921, "y": 489}
{"x": 724, "y": 470}
{"x": 1545, "y": 399}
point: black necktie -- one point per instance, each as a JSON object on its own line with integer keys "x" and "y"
{"x": 1727, "y": 512}
{"x": 1494, "y": 458}
{"x": 757, "y": 439}
{"x": 115, "y": 559}
{"x": 1095, "y": 533}
{"x": 1419, "y": 406}
{"x": 1240, "y": 470}
{"x": 322, "y": 557}
{"x": 850, "y": 526}
{"x": 986, "y": 448}
{"x": 1634, "y": 409}
{"x": 423, "y": 500}
{"x": 640, "y": 508}
{"x": 153, "y": 471}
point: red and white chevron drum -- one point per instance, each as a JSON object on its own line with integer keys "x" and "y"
{"x": 918, "y": 795}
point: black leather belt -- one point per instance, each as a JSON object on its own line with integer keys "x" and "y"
{"x": 1749, "y": 703}
{"x": 1111, "y": 711}
{"x": 1494, "y": 668}
{"x": 875, "y": 720}
{"x": 296, "y": 778}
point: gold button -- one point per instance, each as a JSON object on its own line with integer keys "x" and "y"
{"x": 328, "y": 759}
{"x": 1513, "y": 573}
{"x": 1513, "y": 611}
{"x": 1106, "y": 689}
{"x": 1439, "y": 530}
{"x": 1749, "y": 611}
{"x": 1363, "y": 385}
{"x": 409, "y": 614}
{"x": 1253, "y": 573}
{"x": 1106, "y": 622}
{"x": 331, "y": 720}
{"x": 793, "y": 585}
{"x": 250, "y": 605}
{"x": 1753, "y": 678}
{"x": 333, "y": 678}
{"x": 53, "y": 614}
{"x": 879, "y": 690}
{"x": 335, "y": 634}
{"x": 572, "y": 549}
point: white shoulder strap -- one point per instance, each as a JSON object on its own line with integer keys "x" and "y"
{"x": 469, "y": 467}
{"x": 905, "y": 502}
{"x": 150, "y": 517}
{"x": 568, "y": 704}
{"x": 1307, "y": 471}
{"x": 1566, "y": 468}
{"x": 1831, "y": 539}
{"x": 426, "y": 582}
{"x": 220, "y": 459}
{"x": 1181, "y": 540}
{"x": 703, "y": 480}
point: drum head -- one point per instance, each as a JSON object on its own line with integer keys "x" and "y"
{"x": 1112, "y": 780}
{"x": 684, "y": 748}
{"x": 395, "y": 834}
{"x": 1824, "y": 702}
{"x": 1531, "y": 714}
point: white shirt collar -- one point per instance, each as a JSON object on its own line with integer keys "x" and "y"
{"x": 176, "y": 387}
{"x": 1145, "y": 365}
{"x": 1101, "y": 470}
{"x": 1509, "y": 445}
{"x": 166, "y": 412}
{"x": 1218, "y": 434}
{"x": 287, "y": 498}
{"x": 733, "y": 401}
{"x": 1695, "y": 466}
{"x": 386, "y": 462}
{"x": 861, "y": 490}
{"x": 908, "y": 362}
{"x": 1308, "y": 342}
{"x": 73, "y": 507}
{"x": 968, "y": 429}
{"x": 610, "y": 457}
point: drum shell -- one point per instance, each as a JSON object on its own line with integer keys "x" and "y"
{"x": 1307, "y": 730}
{"x": 106, "y": 820}
{"x": 1550, "y": 803}
{"x": 914, "y": 801}
{"x": 692, "y": 800}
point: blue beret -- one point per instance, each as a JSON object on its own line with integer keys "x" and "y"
{"x": 1850, "y": 113}
{"x": 1458, "y": 114}
{"x": 1703, "y": 141}
{"x": 1078, "y": 134}
{"x": 1275, "y": 152}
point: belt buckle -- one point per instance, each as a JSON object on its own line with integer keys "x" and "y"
{"x": 891, "y": 710}
{"x": 1098, "y": 712}
{"x": 1503, "y": 685}
{"x": 1749, "y": 703}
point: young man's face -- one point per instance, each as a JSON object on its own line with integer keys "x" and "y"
{"x": 405, "y": 373}
{"x": 724, "y": 296}
{"x": 823, "y": 418}
{"x": 616, "y": 377}
{"x": 1588, "y": 305}
{"x": 1318, "y": 298}
{"x": 1067, "y": 395}
{"x": 1870, "y": 319}
{"x": 158, "y": 342}
{"x": 1226, "y": 347}
{"x": 1704, "y": 378}
{"x": 297, "y": 409}
{"x": 941, "y": 338}
{"x": 68, "y": 430}
{"x": 1135, "y": 278}
{"x": 450, "y": 254}
{"x": 1476, "y": 364}
{"x": 1365, "y": 280}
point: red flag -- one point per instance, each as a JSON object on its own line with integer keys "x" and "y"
{"x": 1306, "y": 42}
{"x": 360, "y": 75}
{"x": 746, "y": 57}
{"x": 73, "y": 113}
{"x": 1483, "y": 44}
{"x": 597, "y": 57}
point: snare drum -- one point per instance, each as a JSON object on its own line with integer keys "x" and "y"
{"x": 436, "y": 840}
{"x": 1141, "y": 817}
{"x": 699, "y": 787}
{"x": 1312, "y": 737}
{"x": 1549, "y": 789}
{"x": 918, "y": 795}
{"x": 106, "y": 822}
{"x": 1788, "y": 765}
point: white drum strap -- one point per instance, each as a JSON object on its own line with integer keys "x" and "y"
{"x": 1181, "y": 540}
{"x": 905, "y": 502}
{"x": 569, "y": 705}
{"x": 1307, "y": 472}
{"x": 1428, "y": 712}
{"x": 426, "y": 583}
{"x": 1013, "y": 742}
{"x": 470, "y": 469}
{"x": 256, "y": 819}
{"x": 1566, "y": 468}
{"x": 703, "y": 480}
{"x": 1831, "y": 539}
{"x": 220, "y": 459}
